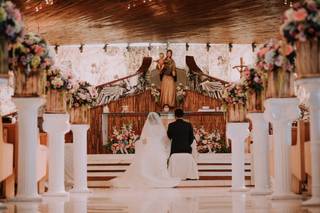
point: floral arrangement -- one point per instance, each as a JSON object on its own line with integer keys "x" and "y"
{"x": 56, "y": 79}
{"x": 302, "y": 22}
{"x": 155, "y": 92}
{"x": 123, "y": 140}
{"x": 274, "y": 56}
{"x": 32, "y": 54}
{"x": 210, "y": 142}
{"x": 234, "y": 93}
{"x": 11, "y": 24}
{"x": 81, "y": 93}
{"x": 181, "y": 93}
{"x": 252, "y": 79}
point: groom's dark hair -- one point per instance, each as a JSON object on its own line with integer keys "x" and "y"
{"x": 179, "y": 113}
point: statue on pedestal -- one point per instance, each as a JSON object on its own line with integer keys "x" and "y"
{"x": 168, "y": 77}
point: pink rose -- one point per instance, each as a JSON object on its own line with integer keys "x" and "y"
{"x": 300, "y": 14}
{"x": 262, "y": 52}
{"x": 288, "y": 50}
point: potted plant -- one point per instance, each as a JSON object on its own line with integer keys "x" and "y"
{"x": 30, "y": 61}
{"x": 276, "y": 60}
{"x": 81, "y": 97}
{"x": 11, "y": 29}
{"x": 252, "y": 79}
{"x": 56, "y": 91}
{"x": 301, "y": 27}
{"x": 234, "y": 97}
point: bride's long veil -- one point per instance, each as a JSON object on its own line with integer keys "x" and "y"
{"x": 154, "y": 131}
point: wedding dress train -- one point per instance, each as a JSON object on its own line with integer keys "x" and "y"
{"x": 149, "y": 167}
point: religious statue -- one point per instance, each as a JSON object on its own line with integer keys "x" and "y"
{"x": 168, "y": 77}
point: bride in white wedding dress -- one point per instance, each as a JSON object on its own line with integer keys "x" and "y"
{"x": 149, "y": 167}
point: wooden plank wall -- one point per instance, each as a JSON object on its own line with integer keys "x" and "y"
{"x": 143, "y": 103}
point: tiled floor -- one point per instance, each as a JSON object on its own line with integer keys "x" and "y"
{"x": 185, "y": 200}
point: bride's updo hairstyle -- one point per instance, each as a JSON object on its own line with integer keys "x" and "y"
{"x": 153, "y": 118}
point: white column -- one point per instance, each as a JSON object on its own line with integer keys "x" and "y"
{"x": 312, "y": 86}
{"x": 56, "y": 125}
{"x": 238, "y": 132}
{"x": 281, "y": 112}
{"x": 28, "y": 137}
{"x": 260, "y": 154}
{"x": 80, "y": 158}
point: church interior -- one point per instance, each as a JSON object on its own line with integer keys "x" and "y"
{"x": 79, "y": 79}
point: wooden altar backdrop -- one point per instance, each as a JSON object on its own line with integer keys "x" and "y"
{"x": 140, "y": 105}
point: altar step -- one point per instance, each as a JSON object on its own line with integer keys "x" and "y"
{"x": 214, "y": 170}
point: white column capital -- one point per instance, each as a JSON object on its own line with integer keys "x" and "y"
{"x": 239, "y": 131}
{"x": 25, "y": 104}
{"x": 79, "y": 127}
{"x": 281, "y": 109}
{"x": 56, "y": 123}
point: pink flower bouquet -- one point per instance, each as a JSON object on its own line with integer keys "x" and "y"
{"x": 11, "y": 24}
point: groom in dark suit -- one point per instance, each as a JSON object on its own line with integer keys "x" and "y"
{"x": 180, "y": 133}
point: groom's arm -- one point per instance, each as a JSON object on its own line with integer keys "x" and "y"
{"x": 169, "y": 132}
{"x": 191, "y": 135}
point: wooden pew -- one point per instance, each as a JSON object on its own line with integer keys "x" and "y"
{"x": 297, "y": 156}
{"x": 11, "y": 137}
{"x": 6, "y": 163}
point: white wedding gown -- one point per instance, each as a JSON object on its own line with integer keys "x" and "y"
{"x": 149, "y": 167}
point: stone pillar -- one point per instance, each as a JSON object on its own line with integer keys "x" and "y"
{"x": 312, "y": 87}
{"x": 28, "y": 144}
{"x": 281, "y": 112}
{"x": 56, "y": 125}
{"x": 80, "y": 158}
{"x": 260, "y": 154}
{"x": 238, "y": 132}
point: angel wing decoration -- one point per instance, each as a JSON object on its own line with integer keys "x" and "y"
{"x": 213, "y": 88}
{"x": 108, "y": 94}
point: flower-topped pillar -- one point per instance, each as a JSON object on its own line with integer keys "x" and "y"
{"x": 82, "y": 97}
{"x": 252, "y": 79}
{"x": 312, "y": 86}
{"x": 234, "y": 96}
{"x": 56, "y": 124}
{"x": 281, "y": 112}
{"x": 28, "y": 97}
{"x": 301, "y": 27}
